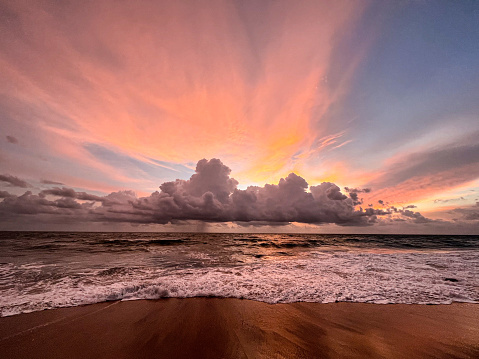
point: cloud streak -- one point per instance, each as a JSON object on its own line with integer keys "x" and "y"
{"x": 46, "y": 181}
{"x": 14, "y": 181}
{"x": 421, "y": 174}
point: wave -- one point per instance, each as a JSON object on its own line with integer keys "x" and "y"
{"x": 324, "y": 278}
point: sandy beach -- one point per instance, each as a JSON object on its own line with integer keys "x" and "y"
{"x": 234, "y": 328}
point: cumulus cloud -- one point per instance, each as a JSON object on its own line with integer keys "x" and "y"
{"x": 14, "y": 181}
{"x": 418, "y": 217}
{"x": 354, "y": 194}
{"x": 29, "y": 203}
{"x": 210, "y": 195}
{"x": 470, "y": 213}
{"x": 472, "y": 216}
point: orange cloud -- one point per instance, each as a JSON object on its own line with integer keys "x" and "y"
{"x": 179, "y": 81}
{"x": 419, "y": 188}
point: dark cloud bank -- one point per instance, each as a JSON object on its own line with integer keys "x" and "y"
{"x": 209, "y": 195}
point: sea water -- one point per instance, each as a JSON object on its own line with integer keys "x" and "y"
{"x": 41, "y": 270}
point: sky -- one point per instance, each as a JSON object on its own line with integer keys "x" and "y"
{"x": 270, "y": 116}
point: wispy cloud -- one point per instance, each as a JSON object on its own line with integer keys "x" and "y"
{"x": 240, "y": 81}
{"x": 12, "y": 139}
{"x": 45, "y": 181}
{"x": 14, "y": 181}
{"x": 419, "y": 175}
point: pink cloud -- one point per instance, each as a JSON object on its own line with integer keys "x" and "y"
{"x": 171, "y": 81}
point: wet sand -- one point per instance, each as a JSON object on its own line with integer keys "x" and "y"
{"x": 234, "y": 328}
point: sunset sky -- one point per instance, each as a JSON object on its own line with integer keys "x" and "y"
{"x": 101, "y": 102}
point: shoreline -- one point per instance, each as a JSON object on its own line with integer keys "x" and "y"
{"x": 205, "y": 327}
{"x": 234, "y": 298}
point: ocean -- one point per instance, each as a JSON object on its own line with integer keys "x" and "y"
{"x": 43, "y": 270}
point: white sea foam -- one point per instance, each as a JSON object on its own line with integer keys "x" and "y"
{"x": 323, "y": 277}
